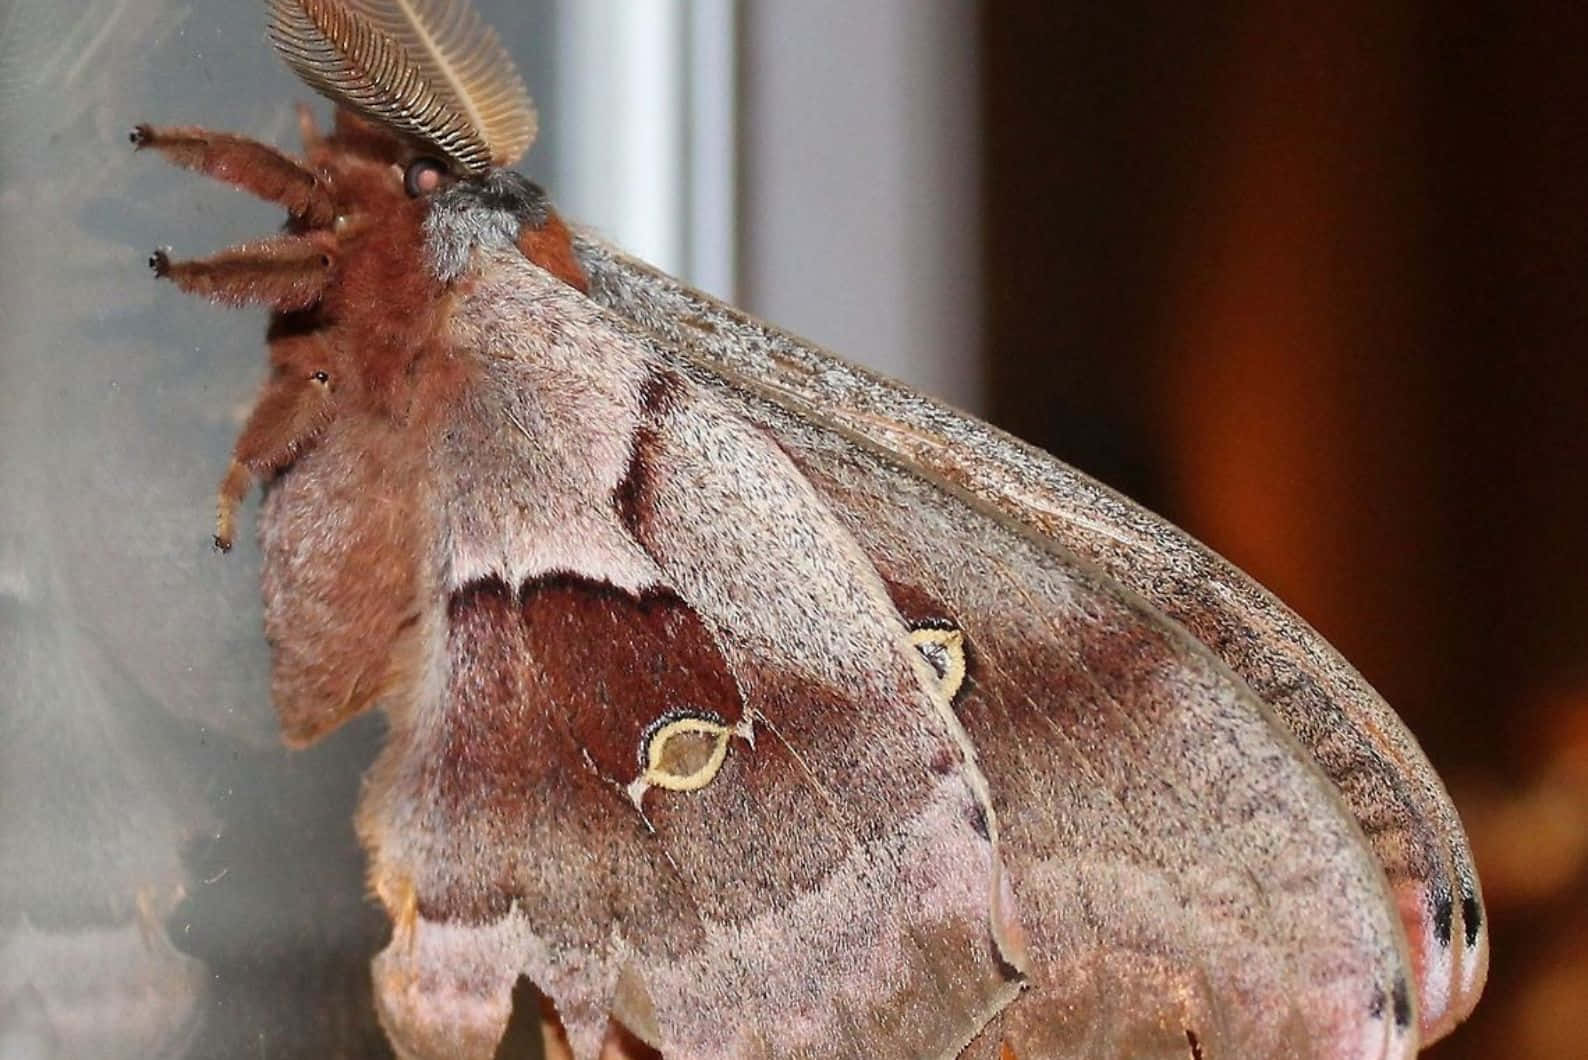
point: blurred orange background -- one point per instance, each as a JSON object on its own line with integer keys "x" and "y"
{"x": 1346, "y": 245}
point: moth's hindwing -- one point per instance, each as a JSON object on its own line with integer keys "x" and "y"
{"x": 1181, "y": 865}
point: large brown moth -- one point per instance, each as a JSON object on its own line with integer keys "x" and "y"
{"x": 746, "y": 703}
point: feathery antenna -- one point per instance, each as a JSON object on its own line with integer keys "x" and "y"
{"x": 430, "y": 69}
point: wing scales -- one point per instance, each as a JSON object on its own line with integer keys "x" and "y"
{"x": 1172, "y": 848}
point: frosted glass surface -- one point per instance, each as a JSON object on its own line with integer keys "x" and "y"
{"x": 174, "y": 883}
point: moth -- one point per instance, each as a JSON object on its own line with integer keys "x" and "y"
{"x": 746, "y": 703}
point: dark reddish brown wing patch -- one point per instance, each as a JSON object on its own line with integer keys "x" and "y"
{"x": 551, "y": 247}
{"x": 553, "y": 688}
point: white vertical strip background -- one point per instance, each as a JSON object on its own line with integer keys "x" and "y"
{"x": 713, "y": 146}
{"x": 647, "y": 92}
{"x": 860, "y": 182}
{"x": 621, "y": 83}
{"x": 830, "y": 167}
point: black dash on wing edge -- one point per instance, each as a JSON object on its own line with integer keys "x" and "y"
{"x": 1403, "y": 1004}
{"x": 1472, "y": 916}
{"x": 1443, "y": 914}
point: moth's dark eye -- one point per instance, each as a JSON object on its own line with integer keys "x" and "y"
{"x": 423, "y": 176}
{"x": 321, "y": 377}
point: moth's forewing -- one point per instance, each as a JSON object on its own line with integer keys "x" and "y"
{"x": 635, "y": 547}
{"x": 623, "y": 561}
{"x": 1359, "y": 742}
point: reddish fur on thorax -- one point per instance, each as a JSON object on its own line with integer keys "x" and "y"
{"x": 384, "y": 310}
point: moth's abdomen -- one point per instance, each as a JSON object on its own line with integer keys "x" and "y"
{"x": 340, "y": 535}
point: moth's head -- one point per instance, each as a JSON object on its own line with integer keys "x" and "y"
{"x": 410, "y": 201}
{"x": 432, "y": 112}
{"x": 500, "y": 209}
